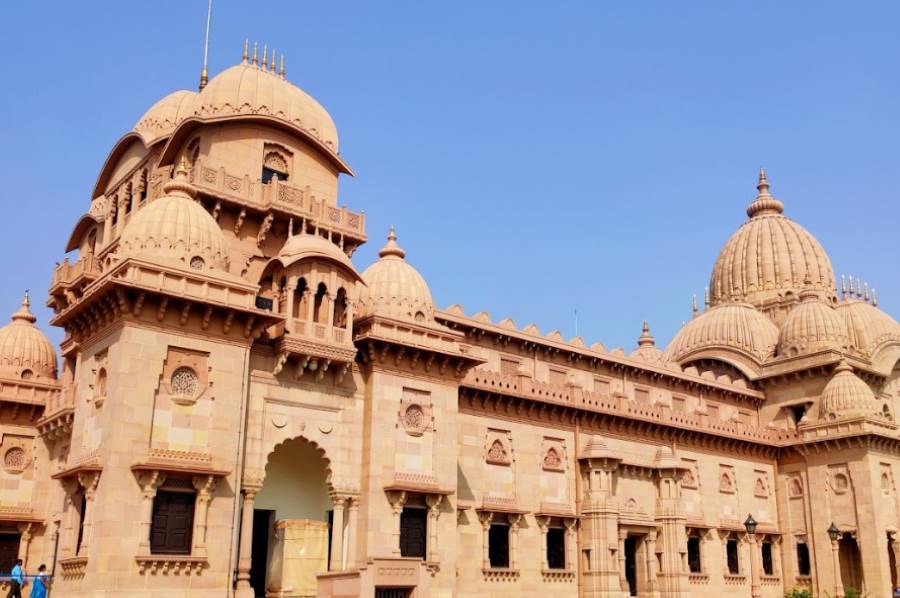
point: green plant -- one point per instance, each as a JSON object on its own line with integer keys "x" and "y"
{"x": 798, "y": 593}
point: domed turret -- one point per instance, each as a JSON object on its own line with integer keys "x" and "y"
{"x": 769, "y": 257}
{"x": 176, "y": 227}
{"x": 729, "y": 328}
{"x": 867, "y": 326}
{"x": 647, "y": 349}
{"x": 25, "y": 353}
{"x": 812, "y": 326}
{"x": 162, "y": 118}
{"x": 394, "y": 288}
{"x": 253, "y": 89}
{"x": 846, "y": 395}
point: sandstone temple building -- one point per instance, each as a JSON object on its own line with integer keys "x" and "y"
{"x": 238, "y": 408}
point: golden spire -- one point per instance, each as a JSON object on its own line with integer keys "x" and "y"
{"x": 265, "y": 63}
{"x": 281, "y": 70}
{"x": 255, "y": 53}
{"x": 245, "y": 56}
{"x": 26, "y": 300}
{"x": 762, "y": 184}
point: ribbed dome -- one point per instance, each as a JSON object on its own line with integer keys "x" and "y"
{"x": 302, "y": 246}
{"x": 177, "y": 227}
{"x": 867, "y": 325}
{"x": 248, "y": 89}
{"x": 24, "y": 350}
{"x": 812, "y": 326}
{"x": 394, "y": 288}
{"x": 160, "y": 120}
{"x": 647, "y": 349}
{"x": 846, "y": 395}
{"x": 769, "y": 257}
{"x": 734, "y": 326}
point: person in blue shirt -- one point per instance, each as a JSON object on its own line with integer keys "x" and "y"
{"x": 17, "y": 580}
{"x": 39, "y": 589}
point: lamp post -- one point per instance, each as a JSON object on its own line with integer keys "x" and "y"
{"x": 835, "y": 534}
{"x": 750, "y": 525}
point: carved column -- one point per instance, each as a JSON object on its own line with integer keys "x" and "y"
{"x": 88, "y": 481}
{"x": 149, "y": 481}
{"x": 754, "y": 566}
{"x": 650, "y": 546}
{"x": 24, "y": 542}
{"x": 623, "y": 581}
{"x": 286, "y": 302}
{"x": 204, "y": 484}
{"x": 329, "y": 313}
{"x": 571, "y": 544}
{"x": 515, "y": 520}
{"x": 836, "y": 569}
{"x": 243, "y": 588}
{"x": 486, "y": 518}
{"x": 352, "y": 516}
{"x": 895, "y": 545}
{"x": 602, "y": 574}
{"x": 69, "y": 518}
{"x": 433, "y": 501}
{"x": 337, "y": 533}
{"x": 397, "y": 498}
{"x": 543, "y": 525}
{"x": 672, "y": 581}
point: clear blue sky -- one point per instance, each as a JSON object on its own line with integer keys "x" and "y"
{"x": 535, "y": 157}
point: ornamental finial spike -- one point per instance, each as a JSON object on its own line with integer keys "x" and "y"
{"x": 874, "y": 298}
{"x": 391, "y": 249}
{"x": 694, "y": 309}
{"x": 858, "y": 288}
{"x": 24, "y": 313}
{"x": 246, "y": 54}
{"x": 764, "y": 203}
{"x": 646, "y": 339}
{"x": 706, "y": 297}
{"x": 265, "y": 63}
{"x": 274, "y": 60}
{"x": 256, "y": 53}
{"x": 866, "y": 293}
{"x": 763, "y": 183}
{"x": 843, "y": 287}
{"x": 281, "y": 70}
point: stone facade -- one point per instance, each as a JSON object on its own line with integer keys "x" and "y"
{"x": 239, "y": 411}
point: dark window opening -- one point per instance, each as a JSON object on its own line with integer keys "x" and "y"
{"x": 340, "y": 309}
{"x": 767, "y": 562}
{"x": 556, "y": 548}
{"x": 300, "y": 312}
{"x": 171, "y": 527}
{"x": 798, "y": 411}
{"x": 631, "y": 545}
{"x": 270, "y": 173}
{"x": 803, "y": 567}
{"x": 695, "y": 565}
{"x": 731, "y": 550}
{"x": 9, "y": 551}
{"x": 392, "y": 593}
{"x": 82, "y": 509}
{"x": 259, "y": 549}
{"x": 413, "y": 532}
{"x": 498, "y": 546}
{"x": 319, "y": 303}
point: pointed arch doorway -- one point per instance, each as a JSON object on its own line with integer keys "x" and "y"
{"x": 291, "y": 521}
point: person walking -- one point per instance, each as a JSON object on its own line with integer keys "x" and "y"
{"x": 17, "y": 580}
{"x": 39, "y": 589}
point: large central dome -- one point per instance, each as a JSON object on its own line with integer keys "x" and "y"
{"x": 770, "y": 257}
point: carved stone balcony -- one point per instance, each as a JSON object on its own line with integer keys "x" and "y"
{"x": 316, "y": 347}
{"x": 74, "y": 276}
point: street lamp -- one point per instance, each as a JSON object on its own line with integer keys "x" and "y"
{"x": 835, "y": 533}
{"x": 750, "y": 525}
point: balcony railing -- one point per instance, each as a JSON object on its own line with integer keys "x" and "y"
{"x": 68, "y": 273}
{"x": 319, "y": 332}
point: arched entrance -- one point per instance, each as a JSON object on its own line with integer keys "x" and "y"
{"x": 291, "y": 521}
{"x": 851, "y": 564}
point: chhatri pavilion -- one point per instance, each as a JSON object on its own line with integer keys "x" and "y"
{"x": 238, "y": 408}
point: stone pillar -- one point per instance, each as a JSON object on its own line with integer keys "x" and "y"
{"x": 623, "y": 581}
{"x": 836, "y": 569}
{"x": 352, "y": 516}
{"x": 602, "y": 574}
{"x": 543, "y": 525}
{"x": 397, "y": 498}
{"x": 329, "y": 313}
{"x": 24, "y": 542}
{"x": 650, "y": 546}
{"x": 515, "y": 520}
{"x": 895, "y": 544}
{"x": 286, "y": 302}
{"x": 337, "y": 533}
{"x": 754, "y": 566}
{"x": 204, "y": 484}
{"x": 672, "y": 578}
{"x": 243, "y": 588}
{"x": 486, "y": 519}
{"x": 571, "y": 544}
{"x": 51, "y": 546}
{"x": 149, "y": 481}
{"x": 88, "y": 481}
{"x": 69, "y": 519}
{"x": 433, "y": 501}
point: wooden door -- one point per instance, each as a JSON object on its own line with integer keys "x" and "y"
{"x": 413, "y": 531}
{"x": 9, "y": 552}
{"x": 173, "y": 522}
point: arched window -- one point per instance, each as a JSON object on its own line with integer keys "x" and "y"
{"x": 300, "y": 299}
{"x": 340, "y": 309}
{"x": 275, "y": 163}
{"x": 114, "y": 210}
{"x": 143, "y": 188}
{"x": 91, "y": 244}
{"x": 129, "y": 198}
{"x": 318, "y": 306}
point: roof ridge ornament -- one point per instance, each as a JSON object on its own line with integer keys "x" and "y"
{"x": 764, "y": 203}
{"x": 646, "y": 339}
{"x": 391, "y": 248}
{"x": 24, "y": 312}
{"x": 180, "y": 183}
{"x": 245, "y": 55}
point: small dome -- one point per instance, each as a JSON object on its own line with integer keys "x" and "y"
{"x": 247, "y": 89}
{"x": 595, "y": 449}
{"x": 867, "y": 325}
{"x": 812, "y": 326}
{"x": 666, "y": 459}
{"x": 735, "y": 326}
{"x": 176, "y": 226}
{"x": 302, "y": 246}
{"x": 770, "y": 256}
{"x": 394, "y": 288}
{"x": 647, "y": 349}
{"x": 846, "y": 395}
{"x": 25, "y": 352}
{"x": 163, "y": 116}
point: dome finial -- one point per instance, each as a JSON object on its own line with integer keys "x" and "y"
{"x": 843, "y": 287}
{"x": 706, "y": 298}
{"x": 246, "y": 55}
{"x": 858, "y": 288}
{"x": 256, "y": 53}
{"x": 274, "y": 60}
{"x": 764, "y": 202}
{"x": 694, "y": 309}
{"x": 391, "y": 249}
{"x": 265, "y": 61}
{"x": 866, "y": 293}
{"x": 874, "y": 298}
{"x": 24, "y": 313}
{"x": 646, "y": 339}
{"x": 281, "y": 70}
{"x": 180, "y": 183}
